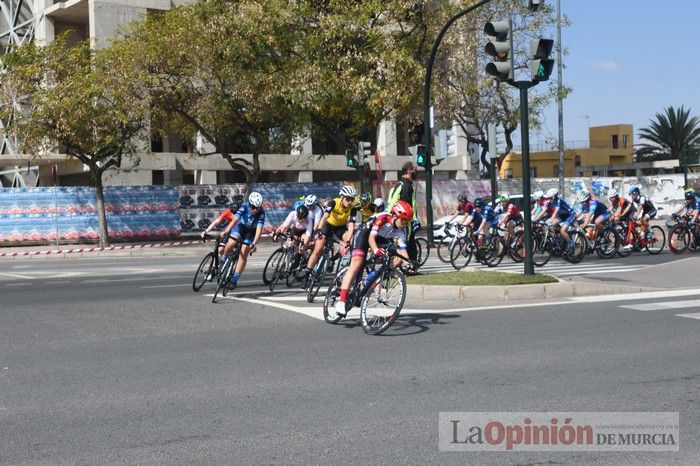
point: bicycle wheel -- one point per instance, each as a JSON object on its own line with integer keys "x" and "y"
{"x": 271, "y": 264}
{"x": 577, "y": 252}
{"x": 540, "y": 251}
{"x": 383, "y": 302}
{"x": 679, "y": 239}
{"x": 232, "y": 269}
{"x": 332, "y": 295}
{"x": 605, "y": 244}
{"x": 293, "y": 268}
{"x": 516, "y": 249}
{"x": 226, "y": 273}
{"x": 656, "y": 244}
{"x": 495, "y": 252}
{"x": 280, "y": 270}
{"x": 461, "y": 253}
{"x": 316, "y": 277}
{"x": 204, "y": 271}
{"x": 443, "y": 250}
{"x": 422, "y": 251}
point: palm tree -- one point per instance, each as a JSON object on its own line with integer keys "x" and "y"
{"x": 669, "y": 135}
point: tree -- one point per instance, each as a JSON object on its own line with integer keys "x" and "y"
{"x": 669, "y": 135}
{"x": 223, "y": 70}
{"x": 77, "y": 100}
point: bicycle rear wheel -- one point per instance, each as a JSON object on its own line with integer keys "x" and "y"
{"x": 516, "y": 249}
{"x": 383, "y": 302}
{"x": 422, "y": 251}
{"x": 496, "y": 250}
{"x": 204, "y": 271}
{"x": 577, "y": 252}
{"x": 656, "y": 245}
{"x": 461, "y": 253}
{"x": 679, "y": 239}
{"x": 605, "y": 244}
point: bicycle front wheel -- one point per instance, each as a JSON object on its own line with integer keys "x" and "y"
{"x": 383, "y": 302}
{"x": 226, "y": 273}
{"x": 516, "y": 250}
{"x": 656, "y": 244}
{"x": 443, "y": 250}
{"x": 679, "y": 239}
{"x": 461, "y": 253}
{"x": 422, "y": 251}
{"x": 577, "y": 251}
{"x": 204, "y": 271}
{"x": 280, "y": 270}
{"x": 271, "y": 264}
{"x": 316, "y": 278}
{"x": 605, "y": 244}
{"x": 540, "y": 251}
{"x": 332, "y": 296}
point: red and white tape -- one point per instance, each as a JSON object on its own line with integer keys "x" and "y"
{"x": 98, "y": 249}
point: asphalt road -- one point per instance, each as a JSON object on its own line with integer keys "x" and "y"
{"x": 116, "y": 360}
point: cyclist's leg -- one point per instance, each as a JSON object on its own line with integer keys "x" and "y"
{"x": 359, "y": 252}
{"x": 319, "y": 244}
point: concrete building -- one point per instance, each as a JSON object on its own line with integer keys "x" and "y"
{"x": 169, "y": 161}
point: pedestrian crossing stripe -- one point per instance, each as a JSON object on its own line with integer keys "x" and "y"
{"x": 695, "y": 315}
{"x": 662, "y": 305}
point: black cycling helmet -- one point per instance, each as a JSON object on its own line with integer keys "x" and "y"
{"x": 461, "y": 197}
{"x": 689, "y": 195}
{"x": 365, "y": 199}
{"x": 478, "y": 202}
{"x": 302, "y": 212}
{"x": 236, "y": 202}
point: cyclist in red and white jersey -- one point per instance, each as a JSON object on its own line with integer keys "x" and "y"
{"x": 386, "y": 228}
{"x": 510, "y": 215}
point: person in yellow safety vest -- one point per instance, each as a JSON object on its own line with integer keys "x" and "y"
{"x": 404, "y": 190}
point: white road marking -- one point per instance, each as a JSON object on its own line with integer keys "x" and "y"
{"x": 283, "y": 298}
{"x": 637, "y": 296}
{"x": 169, "y": 286}
{"x": 16, "y": 275}
{"x": 663, "y": 305}
{"x": 695, "y": 315}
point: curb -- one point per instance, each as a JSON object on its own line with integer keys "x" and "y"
{"x": 520, "y": 292}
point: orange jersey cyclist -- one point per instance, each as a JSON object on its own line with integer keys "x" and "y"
{"x": 386, "y": 228}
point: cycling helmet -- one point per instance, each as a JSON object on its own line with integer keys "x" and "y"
{"x": 478, "y": 202}
{"x": 302, "y": 212}
{"x": 310, "y": 200}
{"x": 297, "y": 204}
{"x": 503, "y": 198}
{"x": 348, "y": 191}
{"x": 584, "y": 196}
{"x": 255, "y": 199}
{"x": 689, "y": 195}
{"x": 634, "y": 190}
{"x": 365, "y": 199}
{"x": 538, "y": 195}
{"x": 551, "y": 193}
{"x": 379, "y": 205}
{"x": 613, "y": 194}
{"x": 235, "y": 203}
{"x": 402, "y": 210}
{"x": 461, "y": 197}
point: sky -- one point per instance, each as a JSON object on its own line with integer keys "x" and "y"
{"x": 627, "y": 61}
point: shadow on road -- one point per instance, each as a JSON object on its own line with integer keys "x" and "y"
{"x": 410, "y": 324}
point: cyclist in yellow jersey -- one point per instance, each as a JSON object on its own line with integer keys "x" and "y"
{"x": 338, "y": 220}
{"x": 366, "y": 207}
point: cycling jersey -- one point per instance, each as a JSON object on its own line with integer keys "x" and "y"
{"x": 465, "y": 208}
{"x": 338, "y": 215}
{"x": 248, "y": 219}
{"x": 594, "y": 207}
{"x": 384, "y": 230}
{"x": 489, "y": 214}
{"x": 315, "y": 213}
{"x": 225, "y": 215}
{"x": 512, "y": 211}
{"x": 645, "y": 204}
{"x": 366, "y": 213}
{"x": 292, "y": 221}
{"x": 565, "y": 209}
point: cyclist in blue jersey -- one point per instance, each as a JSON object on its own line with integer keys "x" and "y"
{"x": 691, "y": 206}
{"x": 490, "y": 218}
{"x": 246, "y": 228}
{"x": 562, "y": 213}
{"x": 592, "y": 210}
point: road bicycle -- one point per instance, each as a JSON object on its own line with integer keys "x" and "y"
{"x": 380, "y": 294}
{"x": 549, "y": 238}
{"x": 326, "y": 262}
{"x": 227, "y": 270}
{"x": 291, "y": 263}
{"x": 451, "y": 237}
{"x": 629, "y": 238}
{"x": 208, "y": 269}
{"x": 683, "y": 234}
{"x": 602, "y": 242}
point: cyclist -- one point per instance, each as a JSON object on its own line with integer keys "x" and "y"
{"x": 338, "y": 220}
{"x": 592, "y": 210}
{"x": 511, "y": 216}
{"x": 298, "y": 224}
{"x": 365, "y": 207}
{"x": 621, "y": 207}
{"x": 691, "y": 207}
{"x": 537, "y": 203}
{"x": 227, "y": 216}
{"x": 561, "y": 213}
{"x": 489, "y": 218}
{"x": 315, "y": 210}
{"x": 246, "y": 228}
{"x": 464, "y": 207}
{"x": 378, "y": 205}
{"x": 645, "y": 210}
{"x": 385, "y": 228}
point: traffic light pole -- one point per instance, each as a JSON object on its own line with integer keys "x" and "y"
{"x": 525, "y": 139}
{"x": 426, "y": 117}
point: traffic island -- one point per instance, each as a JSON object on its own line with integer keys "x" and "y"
{"x": 502, "y": 286}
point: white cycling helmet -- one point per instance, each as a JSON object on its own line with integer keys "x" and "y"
{"x": 348, "y": 191}
{"x": 379, "y": 204}
{"x": 310, "y": 200}
{"x": 551, "y": 193}
{"x": 538, "y": 195}
{"x": 255, "y": 199}
{"x": 613, "y": 193}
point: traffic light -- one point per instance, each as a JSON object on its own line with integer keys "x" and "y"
{"x": 540, "y": 64}
{"x": 350, "y": 159}
{"x": 444, "y": 144}
{"x": 535, "y": 5}
{"x": 501, "y": 49}
{"x": 421, "y": 155}
{"x": 500, "y": 139}
{"x": 363, "y": 152}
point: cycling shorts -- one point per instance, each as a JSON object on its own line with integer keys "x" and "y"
{"x": 360, "y": 242}
{"x": 296, "y": 232}
{"x": 604, "y": 217}
{"x": 243, "y": 234}
{"x": 650, "y": 213}
{"x": 568, "y": 220}
{"x": 329, "y": 231}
